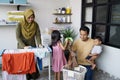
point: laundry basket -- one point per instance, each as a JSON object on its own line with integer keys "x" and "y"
{"x": 78, "y": 73}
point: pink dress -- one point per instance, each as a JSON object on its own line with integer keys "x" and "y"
{"x": 58, "y": 58}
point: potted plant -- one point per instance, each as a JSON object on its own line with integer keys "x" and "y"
{"x": 69, "y": 34}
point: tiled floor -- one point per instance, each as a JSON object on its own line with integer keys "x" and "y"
{"x": 98, "y": 75}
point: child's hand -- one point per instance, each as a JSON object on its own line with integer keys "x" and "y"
{"x": 27, "y": 47}
{"x": 69, "y": 40}
{"x": 89, "y": 54}
{"x": 40, "y": 46}
{"x": 66, "y": 41}
{"x": 72, "y": 53}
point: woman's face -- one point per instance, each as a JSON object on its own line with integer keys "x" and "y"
{"x": 30, "y": 19}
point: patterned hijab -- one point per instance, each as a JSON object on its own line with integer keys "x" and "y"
{"x": 28, "y": 29}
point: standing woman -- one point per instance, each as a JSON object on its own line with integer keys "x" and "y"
{"x": 28, "y": 34}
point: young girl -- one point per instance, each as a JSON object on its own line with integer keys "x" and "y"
{"x": 58, "y": 57}
{"x": 70, "y": 56}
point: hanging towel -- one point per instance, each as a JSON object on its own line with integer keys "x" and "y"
{"x": 21, "y": 63}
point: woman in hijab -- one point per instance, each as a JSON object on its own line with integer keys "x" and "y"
{"x": 28, "y": 34}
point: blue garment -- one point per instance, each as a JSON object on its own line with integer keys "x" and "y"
{"x": 2, "y": 51}
{"x": 49, "y": 49}
{"x": 88, "y": 57}
{"x": 89, "y": 73}
{"x": 39, "y": 61}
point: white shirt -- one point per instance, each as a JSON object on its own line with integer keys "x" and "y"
{"x": 96, "y": 49}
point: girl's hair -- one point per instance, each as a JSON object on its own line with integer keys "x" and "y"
{"x": 55, "y": 37}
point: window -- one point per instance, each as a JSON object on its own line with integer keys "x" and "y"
{"x": 114, "y": 38}
{"x": 100, "y": 30}
{"x": 115, "y": 15}
{"x": 101, "y": 12}
{"x": 103, "y": 17}
{"x": 101, "y": 1}
{"x": 89, "y": 1}
{"x": 88, "y": 12}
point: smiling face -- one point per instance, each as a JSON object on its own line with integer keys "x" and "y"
{"x": 83, "y": 35}
{"x": 29, "y": 15}
{"x": 30, "y": 19}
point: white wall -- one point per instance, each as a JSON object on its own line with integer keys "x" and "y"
{"x": 7, "y": 33}
{"x": 44, "y": 11}
{"x": 7, "y": 37}
{"x": 76, "y": 17}
{"x": 109, "y": 61}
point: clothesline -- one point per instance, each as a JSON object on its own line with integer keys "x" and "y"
{"x": 39, "y": 52}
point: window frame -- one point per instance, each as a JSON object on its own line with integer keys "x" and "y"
{"x": 108, "y": 23}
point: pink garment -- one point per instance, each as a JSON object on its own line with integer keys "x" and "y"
{"x": 58, "y": 58}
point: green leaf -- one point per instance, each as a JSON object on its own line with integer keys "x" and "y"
{"x": 69, "y": 32}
